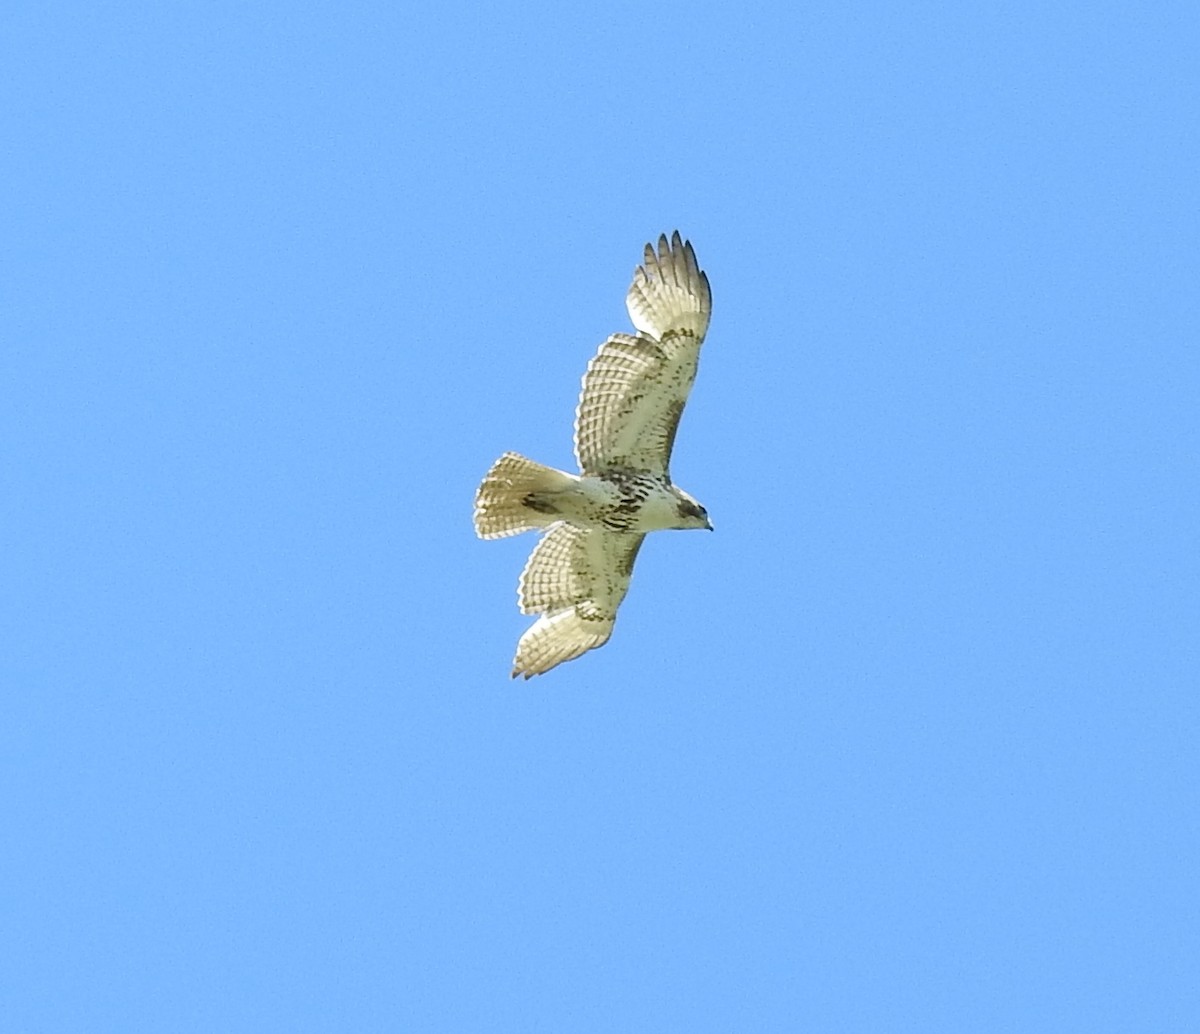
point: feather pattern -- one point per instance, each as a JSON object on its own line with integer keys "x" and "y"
{"x": 636, "y": 387}
{"x": 576, "y": 579}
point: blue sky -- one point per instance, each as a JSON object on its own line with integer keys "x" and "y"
{"x": 908, "y": 744}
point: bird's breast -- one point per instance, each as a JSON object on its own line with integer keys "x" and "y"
{"x": 629, "y": 502}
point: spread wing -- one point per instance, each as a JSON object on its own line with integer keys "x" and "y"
{"x": 575, "y": 579}
{"x": 636, "y": 387}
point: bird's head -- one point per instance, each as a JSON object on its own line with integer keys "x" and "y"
{"x": 691, "y": 513}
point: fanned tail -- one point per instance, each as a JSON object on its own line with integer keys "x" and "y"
{"x": 517, "y": 495}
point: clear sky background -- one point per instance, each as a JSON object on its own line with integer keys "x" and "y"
{"x": 909, "y": 744}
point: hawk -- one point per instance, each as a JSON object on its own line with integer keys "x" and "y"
{"x": 633, "y": 395}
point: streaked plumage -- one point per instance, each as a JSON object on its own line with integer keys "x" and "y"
{"x": 634, "y": 392}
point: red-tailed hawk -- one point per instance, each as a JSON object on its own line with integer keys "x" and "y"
{"x": 633, "y": 394}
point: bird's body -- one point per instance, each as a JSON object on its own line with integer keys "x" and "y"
{"x": 633, "y": 395}
{"x": 617, "y": 500}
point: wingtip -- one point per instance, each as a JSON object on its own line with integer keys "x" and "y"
{"x": 667, "y": 248}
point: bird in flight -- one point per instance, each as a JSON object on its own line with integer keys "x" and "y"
{"x": 633, "y": 395}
